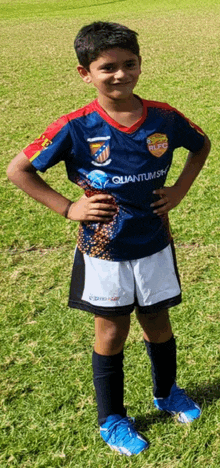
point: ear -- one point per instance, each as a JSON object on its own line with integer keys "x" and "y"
{"x": 85, "y": 74}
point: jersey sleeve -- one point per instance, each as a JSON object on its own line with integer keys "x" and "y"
{"x": 187, "y": 134}
{"x": 53, "y": 146}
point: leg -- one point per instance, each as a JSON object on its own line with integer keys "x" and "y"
{"x": 116, "y": 429}
{"x": 156, "y": 326}
{"x": 111, "y": 333}
{"x": 161, "y": 348}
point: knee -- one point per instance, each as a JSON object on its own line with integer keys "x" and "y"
{"x": 111, "y": 336}
{"x": 115, "y": 337}
{"x": 156, "y": 327}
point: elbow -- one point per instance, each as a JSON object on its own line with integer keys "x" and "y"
{"x": 10, "y": 171}
{"x": 18, "y": 167}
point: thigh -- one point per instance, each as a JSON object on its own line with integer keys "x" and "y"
{"x": 157, "y": 281}
{"x": 102, "y": 287}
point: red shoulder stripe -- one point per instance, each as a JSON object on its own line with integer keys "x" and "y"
{"x": 166, "y": 106}
{"x": 85, "y": 110}
{"x": 33, "y": 150}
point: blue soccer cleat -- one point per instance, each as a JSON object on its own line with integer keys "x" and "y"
{"x": 179, "y": 403}
{"x": 119, "y": 433}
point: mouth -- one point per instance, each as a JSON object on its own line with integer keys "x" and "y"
{"x": 121, "y": 84}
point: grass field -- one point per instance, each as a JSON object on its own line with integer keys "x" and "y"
{"x": 47, "y": 404}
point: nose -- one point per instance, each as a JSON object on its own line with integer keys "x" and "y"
{"x": 120, "y": 74}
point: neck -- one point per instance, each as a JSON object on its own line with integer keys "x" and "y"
{"x": 119, "y": 105}
{"x": 126, "y": 112}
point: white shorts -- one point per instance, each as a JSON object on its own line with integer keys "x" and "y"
{"x": 115, "y": 288}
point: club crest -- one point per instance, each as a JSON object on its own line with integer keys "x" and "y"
{"x": 100, "y": 150}
{"x": 157, "y": 144}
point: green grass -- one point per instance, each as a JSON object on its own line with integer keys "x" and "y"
{"x": 47, "y": 405}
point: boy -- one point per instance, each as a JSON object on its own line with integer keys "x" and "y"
{"x": 119, "y": 149}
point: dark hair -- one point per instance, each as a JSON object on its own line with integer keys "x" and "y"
{"x": 93, "y": 39}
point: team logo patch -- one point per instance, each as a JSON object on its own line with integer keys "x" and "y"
{"x": 157, "y": 144}
{"x": 100, "y": 150}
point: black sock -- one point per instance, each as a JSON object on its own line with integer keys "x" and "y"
{"x": 108, "y": 378}
{"x": 163, "y": 366}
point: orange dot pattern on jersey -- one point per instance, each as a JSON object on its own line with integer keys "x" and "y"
{"x": 98, "y": 240}
{"x": 93, "y": 238}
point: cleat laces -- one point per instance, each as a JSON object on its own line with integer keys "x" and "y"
{"x": 127, "y": 430}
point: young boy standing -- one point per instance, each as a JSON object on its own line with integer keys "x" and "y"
{"x": 119, "y": 150}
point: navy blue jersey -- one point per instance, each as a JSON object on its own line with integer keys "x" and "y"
{"x": 102, "y": 156}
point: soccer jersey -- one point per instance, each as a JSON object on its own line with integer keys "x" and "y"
{"x": 102, "y": 156}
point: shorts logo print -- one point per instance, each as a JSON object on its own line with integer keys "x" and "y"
{"x": 157, "y": 144}
{"x": 96, "y": 298}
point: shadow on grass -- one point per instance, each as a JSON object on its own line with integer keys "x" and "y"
{"x": 142, "y": 423}
{"x": 205, "y": 393}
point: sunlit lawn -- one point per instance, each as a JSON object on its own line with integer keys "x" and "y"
{"x": 48, "y": 410}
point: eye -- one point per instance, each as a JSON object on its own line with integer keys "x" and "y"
{"x": 131, "y": 64}
{"x": 108, "y": 68}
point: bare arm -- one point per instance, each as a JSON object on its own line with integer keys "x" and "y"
{"x": 23, "y": 174}
{"x": 172, "y": 196}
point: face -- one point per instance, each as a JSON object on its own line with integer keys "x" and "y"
{"x": 114, "y": 73}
